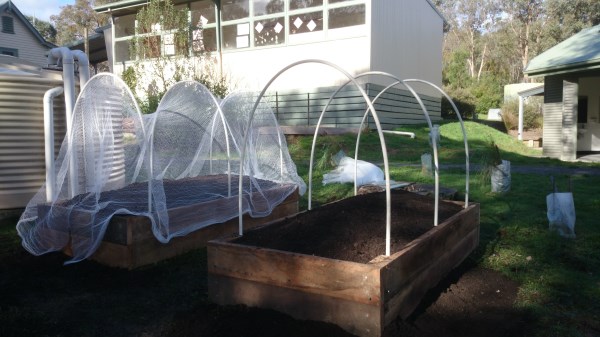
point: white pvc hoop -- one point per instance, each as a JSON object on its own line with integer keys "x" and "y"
{"x": 379, "y": 130}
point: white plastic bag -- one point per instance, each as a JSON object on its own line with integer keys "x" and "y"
{"x": 501, "y": 177}
{"x": 561, "y": 213}
{"x": 367, "y": 173}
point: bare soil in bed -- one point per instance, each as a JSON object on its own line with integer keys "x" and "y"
{"x": 353, "y": 229}
{"x": 41, "y": 297}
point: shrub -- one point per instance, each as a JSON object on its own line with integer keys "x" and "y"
{"x": 532, "y": 116}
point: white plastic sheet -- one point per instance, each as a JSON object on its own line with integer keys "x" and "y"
{"x": 367, "y": 173}
{"x": 501, "y": 179}
{"x": 561, "y": 213}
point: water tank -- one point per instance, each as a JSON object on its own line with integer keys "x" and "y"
{"x": 22, "y": 161}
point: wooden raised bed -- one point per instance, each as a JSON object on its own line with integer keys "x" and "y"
{"x": 130, "y": 243}
{"x": 361, "y": 297}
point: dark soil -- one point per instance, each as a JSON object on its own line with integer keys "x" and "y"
{"x": 353, "y": 229}
{"x": 39, "y": 296}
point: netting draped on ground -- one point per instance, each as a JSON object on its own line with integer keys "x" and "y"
{"x": 161, "y": 166}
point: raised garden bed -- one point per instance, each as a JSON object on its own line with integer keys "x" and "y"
{"x": 129, "y": 241}
{"x": 325, "y": 264}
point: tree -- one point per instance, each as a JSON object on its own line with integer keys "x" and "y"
{"x": 73, "y": 19}
{"x": 45, "y": 28}
{"x": 524, "y": 18}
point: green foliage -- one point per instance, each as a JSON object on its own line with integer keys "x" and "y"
{"x": 463, "y": 99}
{"x": 72, "y": 20}
{"x": 45, "y": 28}
{"x": 532, "y": 114}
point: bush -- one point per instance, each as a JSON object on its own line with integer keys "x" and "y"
{"x": 532, "y": 116}
{"x": 464, "y": 100}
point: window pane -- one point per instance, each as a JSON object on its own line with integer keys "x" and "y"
{"x": 203, "y": 12}
{"x": 234, "y": 9}
{"x": 234, "y": 37}
{"x": 125, "y": 25}
{"x": 306, "y": 23}
{"x": 122, "y": 52}
{"x": 346, "y": 16}
{"x": 204, "y": 40}
{"x": 297, "y": 4}
{"x": 264, "y": 7}
{"x": 269, "y": 32}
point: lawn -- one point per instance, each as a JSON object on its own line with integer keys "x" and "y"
{"x": 559, "y": 278}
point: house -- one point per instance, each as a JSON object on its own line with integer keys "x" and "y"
{"x": 19, "y": 38}
{"x": 571, "y": 72}
{"x": 253, "y": 39}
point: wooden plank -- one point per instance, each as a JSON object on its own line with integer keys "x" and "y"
{"x": 411, "y": 260}
{"x": 135, "y": 244}
{"x": 412, "y": 291}
{"x": 357, "y": 318}
{"x": 312, "y": 274}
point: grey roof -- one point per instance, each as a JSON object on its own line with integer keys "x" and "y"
{"x": 8, "y": 6}
{"x": 579, "y": 52}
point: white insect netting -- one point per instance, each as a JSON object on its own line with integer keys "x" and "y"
{"x": 178, "y": 166}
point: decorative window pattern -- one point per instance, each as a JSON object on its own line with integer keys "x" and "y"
{"x": 204, "y": 28}
{"x": 8, "y": 25}
{"x": 269, "y": 32}
{"x": 236, "y": 36}
{"x": 306, "y": 22}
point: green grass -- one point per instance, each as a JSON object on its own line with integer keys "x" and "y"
{"x": 559, "y": 278}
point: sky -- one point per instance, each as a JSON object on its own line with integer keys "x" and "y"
{"x": 42, "y": 9}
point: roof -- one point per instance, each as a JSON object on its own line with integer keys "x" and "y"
{"x": 579, "y": 52}
{"x": 97, "y": 45}
{"x": 8, "y": 6}
{"x": 533, "y": 91}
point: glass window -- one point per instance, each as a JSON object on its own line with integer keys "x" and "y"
{"x": 234, "y": 9}
{"x": 298, "y": 4}
{"x": 264, "y": 7}
{"x": 346, "y": 16}
{"x": 9, "y": 52}
{"x": 204, "y": 40}
{"x": 122, "y": 52}
{"x": 306, "y": 22}
{"x": 236, "y": 36}
{"x": 203, "y": 13}
{"x": 152, "y": 46}
{"x": 125, "y": 25}
{"x": 269, "y": 32}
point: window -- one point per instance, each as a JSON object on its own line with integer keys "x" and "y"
{"x": 204, "y": 31}
{"x": 298, "y": 4}
{"x": 236, "y": 36}
{"x": 122, "y": 52}
{"x": 346, "y": 16}
{"x": 266, "y": 7}
{"x": 9, "y": 52}
{"x": 306, "y": 22}
{"x": 582, "y": 109}
{"x": 125, "y": 26}
{"x": 234, "y": 9}
{"x": 269, "y": 32}
{"x": 8, "y": 26}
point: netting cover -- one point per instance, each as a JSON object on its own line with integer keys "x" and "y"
{"x": 178, "y": 166}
